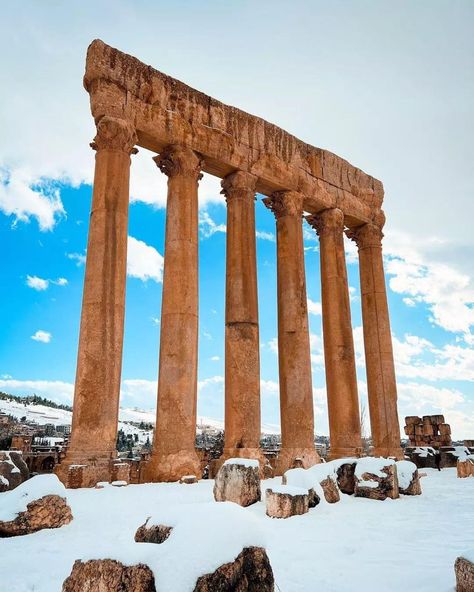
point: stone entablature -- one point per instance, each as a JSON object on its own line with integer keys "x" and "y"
{"x": 166, "y": 111}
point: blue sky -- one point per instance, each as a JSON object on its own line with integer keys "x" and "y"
{"x": 389, "y": 87}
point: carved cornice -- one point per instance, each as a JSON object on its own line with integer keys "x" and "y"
{"x": 239, "y": 185}
{"x": 176, "y": 160}
{"x": 285, "y": 203}
{"x": 327, "y": 221}
{"x": 367, "y": 235}
{"x": 115, "y": 134}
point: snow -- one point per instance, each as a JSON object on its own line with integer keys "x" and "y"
{"x": 461, "y": 452}
{"x": 288, "y": 490}
{"x": 15, "y": 501}
{"x": 405, "y": 470}
{"x": 414, "y": 539}
{"x": 373, "y": 465}
{"x": 4, "y": 481}
{"x": 243, "y": 462}
{"x": 424, "y": 451}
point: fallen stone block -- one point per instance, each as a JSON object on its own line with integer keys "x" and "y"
{"x": 107, "y": 575}
{"x": 250, "y": 572}
{"x": 330, "y": 490}
{"x": 284, "y": 501}
{"x": 152, "y": 534}
{"x": 238, "y": 480}
{"x": 50, "y": 511}
{"x": 464, "y": 570}
{"x": 465, "y": 466}
{"x": 376, "y": 478}
{"x": 346, "y": 478}
{"x": 13, "y": 470}
{"x": 408, "y": 478}
{"x": 188, "y": 479}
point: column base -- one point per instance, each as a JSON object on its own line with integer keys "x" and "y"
{"x": 290, "y": 458}
{"x": 390, "y": 452}
{"x": 253, "y": 453}
{"x": 347, "y": 452}
{"x": 86, "y": 469}
{"x": 171, "y": 467}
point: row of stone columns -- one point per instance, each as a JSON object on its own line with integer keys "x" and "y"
{"x": 97, "y": 388}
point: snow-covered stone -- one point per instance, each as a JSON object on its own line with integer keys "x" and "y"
{"x": 13, "y": 469}
{"x": 156, "y": 534}
{"x": 376, "y": 478}
{"x": 330, "y": 490}
{"x": 284, "y": 501}
{"x": 188, "y": 479}
{"x": 109, "y": 576}
{"x": 408, "y": 478}
{"x": 249, "y": 572}
{"x": 238, "y": 480}
{"x": 465, "y": 466}
{"x": 34, "y": 505}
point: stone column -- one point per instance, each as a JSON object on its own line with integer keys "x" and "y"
{"x": 242, "y": 356}
{"x": 174, "y": 453}
{"x": 381, "y": 382}
{"x": 294, "y": 360}
{"x": 99, "y": 362}
{"x": 339, "y": 358}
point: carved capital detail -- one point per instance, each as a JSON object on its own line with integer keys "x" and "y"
{"x": 327, "y": 221}
{"x": 239, "y": 185}
{"x": 367, "y": 235}
{"x": 115, "y": 134}
{"x": 285, "y": 203}
{"x": 177, "y": 160}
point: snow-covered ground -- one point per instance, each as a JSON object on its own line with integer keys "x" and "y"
{"x": 356, "y": 544}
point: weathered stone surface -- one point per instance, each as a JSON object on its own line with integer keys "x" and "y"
{"x": 346, "y": 478}
{"x": 152, "y": 534}
{"x": 250, "y": 572}
{"x": 330, "y": 490}
{"x": 286, "y": 501}
{"x": 313, "y": 498}
{"x": 408, "y": 478}
{"x": 378, "y": 487}
{"x": 465, "y": 467}
{"x": 13, "y": 470}
{"x": 464, "y": 570}
{"x": 50, "y": 511}
{"x": 238, "y": 481}
{"x": 107, "y": 575}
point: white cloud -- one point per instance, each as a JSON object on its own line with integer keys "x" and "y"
{"x": 263, "y": 235}
{"x": 24, "y": 196}
{"x": 214, "y": 358}
{"x": 79, "y": 258}
{"x": 207, "y": 225}
{"x": 37, "y": 283}
{"x": 56, "y": 390}
{"x": 314, "y": 308}
{"x": 143, "y": 261}
{"x": 42, "y": 336}
{"x": 40, "y": 284}
{"x": 447, "y": 292}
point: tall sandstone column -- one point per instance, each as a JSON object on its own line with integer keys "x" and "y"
{"x": 294, "y": 360}
{"x": 174, "y": 453}
{"x": 339, "y": 358}
{"x": 242, "y": 356}
{"x": 381, "y": 383}
{"x": 99, "y": 362}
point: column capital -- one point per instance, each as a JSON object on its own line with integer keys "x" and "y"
{"x": 239, "y": 185}
{"x": 327, "y": 221}
{"x": 115, "y": 134}
{"x": 285, "y": 203}
{"x": 367, "y": 235}
{"x": 176, "y": 160}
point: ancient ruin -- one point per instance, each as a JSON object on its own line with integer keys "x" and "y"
{"x": 191, "y": 133}
{"x": 429, "y": 430}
